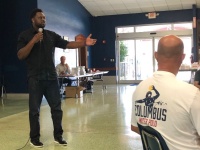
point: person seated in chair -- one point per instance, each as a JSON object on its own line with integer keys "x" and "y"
{"x": 63, "y": 70}
{"x": 168, "y": 105}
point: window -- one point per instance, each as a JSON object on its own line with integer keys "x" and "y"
{"x": 149, "y": 28}
{"x": 183, "y": 26}
{"x": 161, "y": 27}
{"x": 125, "y": 29}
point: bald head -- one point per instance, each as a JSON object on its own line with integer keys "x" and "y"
{"x": 170, "y": 53}
{"x": 62, "y": 59}
{"x": 170, "y": 46}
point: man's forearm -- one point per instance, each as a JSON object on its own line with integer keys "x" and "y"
{"x": 25, "y": 51}
{"x": 74, "y": 44}
{"x": 135, "y": 129}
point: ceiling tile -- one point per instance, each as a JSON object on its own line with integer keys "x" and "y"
{"x": 187, "y": 6}
{"x": 175, "y": 7}
{"x": 143, "y": 1}
{"x": 112, "y": 7}
{"x": 191, "y": 1}
{"x": 98, "y": 13}
{"x": 118, "y": 6}
{"x": 148, "y": 9}
{"x": 138, "y": 10}
{"x": 105, "y": 7}
{"x": 145, "y": 4}
{"x": 123, "y": 11}
{"x": 110, "y": 12}
{"x": 129, "y": 1}
{"x": 115, "y": 1}
{"x": 161, "y": 8}
{"x": 174, "y": 2}
{"x": 159, "y": 3}
{"x": 132, "y": 6}
{"x": 102, "y": 3}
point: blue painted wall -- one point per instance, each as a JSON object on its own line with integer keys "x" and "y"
{"x": 66, "y": 17}
{"x": 2, "y": 40}
{"x": 15, "y": 18}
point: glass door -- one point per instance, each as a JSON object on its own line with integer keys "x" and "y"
{"x": 127, "y": 60}
{"x": 136, "y": 60}
{"x": 144, "y": 58}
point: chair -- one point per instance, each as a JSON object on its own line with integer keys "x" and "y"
{"x": 151, "y": 139}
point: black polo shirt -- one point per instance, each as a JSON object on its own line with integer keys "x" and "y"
{"x": 40, "y": 61}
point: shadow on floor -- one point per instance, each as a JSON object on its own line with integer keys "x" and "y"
{"x": 14, "y": 106}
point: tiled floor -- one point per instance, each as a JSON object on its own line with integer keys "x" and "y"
{"x": 97, "y": 121}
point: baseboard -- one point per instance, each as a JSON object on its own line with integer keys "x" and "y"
{"x": 107, "y": 80}
{"x": 16, "y": 95}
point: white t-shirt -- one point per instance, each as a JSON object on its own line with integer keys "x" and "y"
{"x": 60, "y": 68}
{"x": 173, "y": 110}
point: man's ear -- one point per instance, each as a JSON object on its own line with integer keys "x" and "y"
{"x": 183, "y": 57}
{"x": 32, "y": 20}
{"x": 155, "y": 55}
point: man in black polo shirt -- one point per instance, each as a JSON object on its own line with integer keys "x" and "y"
{"x": 37, "y": 46}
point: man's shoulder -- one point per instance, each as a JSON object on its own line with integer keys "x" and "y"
{"x": 58, "y": 65}
{"x": 50, "y": 32}
{"x": 26, "y": 31}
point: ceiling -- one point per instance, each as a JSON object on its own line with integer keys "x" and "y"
{"x": 117, "y": 7}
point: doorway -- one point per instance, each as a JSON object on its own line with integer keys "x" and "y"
{"x": 135, "y": 52}
{"x": 137, "y": 63}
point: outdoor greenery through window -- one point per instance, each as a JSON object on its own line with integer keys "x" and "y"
{"x": 123, "y": 51}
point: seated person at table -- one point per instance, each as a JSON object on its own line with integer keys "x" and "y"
{"x": 197, "y": 79}
{"x": 63, "y": 70}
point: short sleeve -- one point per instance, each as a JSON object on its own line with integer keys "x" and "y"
{"x": 60, "y": 42}
{"x": 195, "y": 113}
{"x": 21, "y": 42}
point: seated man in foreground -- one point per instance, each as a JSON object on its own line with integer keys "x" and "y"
{"x": 167, "y": 104}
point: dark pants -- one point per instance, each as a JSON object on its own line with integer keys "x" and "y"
{"x": 64, "y": 81}
{"x": 50, "y": 89}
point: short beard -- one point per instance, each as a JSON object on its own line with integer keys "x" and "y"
{"x": 40, "y": 26}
